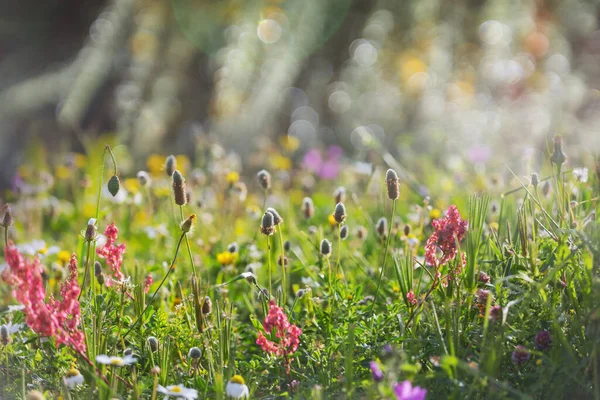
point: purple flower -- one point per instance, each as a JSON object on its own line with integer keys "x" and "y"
{"x": 327, "y": 168}
{"x": 483, "y": 277}
{"x": 334, "y": 152}
{"x": 313, "y": 160}
{"x": 520, "y": 356}
{"x": 388, "y": 348}
{"x": 496, "y": 313}
{"x": 376, "y": 371}
{"x": 543, "y": 340}
{"x": 479, "y": 154}
{"x": 405, "y": 391}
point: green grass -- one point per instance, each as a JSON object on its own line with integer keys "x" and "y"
{"x": 541, "y": 252}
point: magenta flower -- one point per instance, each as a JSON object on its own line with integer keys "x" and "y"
{"x": 543, "y": 340}
{"x": 448, "y": 231}
{"x": 410, "y": 296}
{"x": 327, "y": 168}
{"x": 376, "y": 371}
{"x": 406, "y": 391}
{"x": 520, "y": 356}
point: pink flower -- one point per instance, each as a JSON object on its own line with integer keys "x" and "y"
{"x": 410, "y": 296}
{"x": 112, "y": 253}
{"x": 406, "y": 391}
{"x": 287, "y": 334}
{"x": 449, "y": 231}
{"x": 327, "y": 168}
{"x": 59, "y": 319}
{"x": 148, "y": 282}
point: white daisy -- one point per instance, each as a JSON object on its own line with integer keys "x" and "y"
{"x": 178, "y": 391}
{"x": 37, "y": 247}
{"x": 581, "y": 174}
{"x": 236, "y": 388}
{"x": 115, "y": 361}
{"x": 73, "y": 378}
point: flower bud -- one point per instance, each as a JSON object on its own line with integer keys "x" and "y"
{"x": 267, "y": 226}
{"x": 152, "y": 343}
{"x": 128, "y": 352}
{"x": 188, "y": 224}
{"x": 97, "y": 268}
{"x": 534, "y": 180}
{"x": 285, "y": 260}
{"x": 393, "y": 184}
{"x": 325, "y": 248}
{"x": 344, "y": 232}
{"x": 361, "y": 232}
{"x": 143, "y": 178}
{"x": 276, "y": 217}
{"x": 308, "y": 208}
{"x": 170, "y": 165}
{"x": 301, "y": 292}
{"x": 7, "y": 217}
{"x": 114, "y": 185}
{"x": 339, "y": 195}
{"x": 340, "y": 213}
{"x": 179, "y": 188}
{"x": 207, "y": 306}
{"x": 90, "y": 231}
{"x": 406, "y": 230}
{"x": 381, "y": 227}
{"x": 558, "y": 157}
{"x": 155, "y": 370}
{"x": 195, "y": 353}
{"x": 287, "y": 246}
{"x": 264, "y": 179}
{"x": 546, "y": 188}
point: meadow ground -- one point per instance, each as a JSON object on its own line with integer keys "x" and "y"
{"x": 309, "y": 282}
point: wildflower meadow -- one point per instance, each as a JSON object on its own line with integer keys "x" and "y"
{"x": 176, "y": 282}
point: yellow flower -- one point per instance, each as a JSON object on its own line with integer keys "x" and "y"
{"x": 538, "y": 362}
{"x": 410, "y": 65}
{"x": 280, "y": 162}
{"x": 233, "y": 177}
{"x": 289, "y": 143}
{"x": 226, "y": 258}
{"x": 435, "y": 213}
{"x": 89, "y": 210}
{"x": 155, "y": 164}
{"x": 162, "y": 191}
{"x": 62, "y": 172}
{"x": 331, "y": 220}
{"x": 183, "y": 163}
{"x": 79, "y": 160}
{"x": 131, "y": 185}
{"x": 494, "y": 226}
{"x": 141, "y": 217}
{"x": 64, "y": 256}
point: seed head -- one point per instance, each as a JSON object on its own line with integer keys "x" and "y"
{"x": 534, "y": 180}
{"x": 97, "y": 268}
{"x": 301, "y": 292}
{"x": 195, "y": 353}
{"x": 206, "y": 306}
{"x": 361, "y": 232}
{"x": 267, "y": 226}
{"x": 393, "y": 184}
{"x": 170, "y": 165}
{"x": 114, "y": 185}
{"x": 264, "y": 179}
{"x": 179, "y": 188}
{"x": 339, "y": 194}
{"x": 308, "y": 208}
{"x": 90, "y": 231}
{"x": 546, "y": 188}
{"x": 128, "y": 352}
{"x": 382, "y": 227}
{"x": 5, "y": 335}
{"x": 152, "y": 343}
{"x": 340, "y": 213}
{"x": 287, "y": 245}
{"x": 344, "y": 232}
{"x": 285, "y": 260}
{"x": 7, "y": 217}
{"x": 233, "y": 247}
{"x": 325, "y": 248}
{"x": 406, "y": 230}
{"x": 144, "y": 178}
{"x": 558, "y": 157}
{"x": 276, "y": 217}
{"x": 155, "y": 370}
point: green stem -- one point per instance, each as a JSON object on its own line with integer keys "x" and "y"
{"x": 387, "y": 244}
{"x": 269, "y": 264}
{"x": 187, "y": 243}
{"x": 158, "y": 289}
{"x": 283, "y": 281}
{"x": 87, "y": 269}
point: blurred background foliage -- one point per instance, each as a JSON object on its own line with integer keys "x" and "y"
{"x": 488, "y": 81}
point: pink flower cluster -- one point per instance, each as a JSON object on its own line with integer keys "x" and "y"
{"x": 288, "y": 334}
{"x": 449, "y": 231}
{"x": 148, "y": 281}
{"x": 112, "y": 253}
{"x": 58, "y": 319}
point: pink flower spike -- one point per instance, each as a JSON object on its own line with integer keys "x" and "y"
{"x": 448, "y": 231}
{"x": 112, "y": 253}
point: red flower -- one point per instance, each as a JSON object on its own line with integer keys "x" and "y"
{"x": 286, "y": 333}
